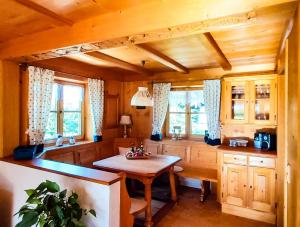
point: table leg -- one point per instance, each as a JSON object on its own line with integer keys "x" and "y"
{"x": 148, "y": 198}
{"x": 172, "y": 184}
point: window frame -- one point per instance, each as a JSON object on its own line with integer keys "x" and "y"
{"x": 60, "y": 111}
{"x": 188, "y": 129}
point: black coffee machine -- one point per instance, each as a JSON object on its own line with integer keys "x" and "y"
{"x": 265, "y": 141}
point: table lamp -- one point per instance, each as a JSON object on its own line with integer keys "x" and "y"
{"x": 125, "y": 120}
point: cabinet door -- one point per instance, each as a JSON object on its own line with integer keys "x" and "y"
{"x": 153, "y": 147}
{"x": 237, "y": 102}
{"x": 261, "y": 192}
{"x": 66, "y": 157}
{"x": 181, "y": 151}
{"x": 263, "y": 104}
{"x": 87, "y": 154}
{"x": 234, "y": 185}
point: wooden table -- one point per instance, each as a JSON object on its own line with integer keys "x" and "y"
{"x": 144, "y": 170}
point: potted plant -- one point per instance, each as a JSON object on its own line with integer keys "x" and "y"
{"x": 47, "y": 206}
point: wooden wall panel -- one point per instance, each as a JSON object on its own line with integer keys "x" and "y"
{"x": 141, "y": 118}
{"x": 281, "y": 150}
{"x": 9, "y": 107}
{"x": 293, "y": 127}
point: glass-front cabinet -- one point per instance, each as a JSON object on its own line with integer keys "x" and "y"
{"x": 263, "y": 102}
{"x": 251, "y": 100}
{"x": 238, "y": 101}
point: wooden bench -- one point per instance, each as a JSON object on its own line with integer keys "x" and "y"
{"x": 129, "y": 207}
{"x": 205, "y": 175}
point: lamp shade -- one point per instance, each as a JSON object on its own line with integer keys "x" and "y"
{"x": 125, "y": 120}
{"x": 142, "y": 98}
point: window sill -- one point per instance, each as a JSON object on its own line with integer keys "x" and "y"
{"x": 66, "y": 145}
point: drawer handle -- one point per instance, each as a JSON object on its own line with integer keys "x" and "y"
{"x": 234, "y": 158}
{"x": 261, "y": 161}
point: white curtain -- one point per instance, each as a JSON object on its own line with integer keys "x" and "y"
{"x": 212, "y": 93}
{"x": 161, "y": 93}
{"x": 96, "y": 96}
{"x": 39, "y": 102}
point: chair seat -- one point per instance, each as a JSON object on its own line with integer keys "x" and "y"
{"x": 200, "y": 173}
{"x": 178, "y": 169}
{"x": 137, "y": 206}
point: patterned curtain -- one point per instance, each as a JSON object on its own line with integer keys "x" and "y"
{"x": 212, "y": 94}
{"x": 161, "y": 93}
{"x": 39, "y": 102}
{"x": 96, "y": 96}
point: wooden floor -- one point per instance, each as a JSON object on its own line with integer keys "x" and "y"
{"x": 189, "y": 212}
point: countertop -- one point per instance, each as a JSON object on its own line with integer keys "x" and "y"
{"x": 247, "y": 150}
{"x": 79, "y": 172}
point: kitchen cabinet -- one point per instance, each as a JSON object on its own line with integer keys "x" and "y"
{"x": 261, "y": 189}
{"x": 235, "y": 184}
{"x": 249, "y": 186}
{"x": 251, "y": 100}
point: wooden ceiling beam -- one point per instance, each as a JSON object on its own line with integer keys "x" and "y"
{"x": 115, "y": 62}
{"x": 210, "y": 43}
{"x": 161, "y": 58}
{"x": 158, "y": 14}
{"x": 46, "y": 12}
{"x": 69, "y": 66}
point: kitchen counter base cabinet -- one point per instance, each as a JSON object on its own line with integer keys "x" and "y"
{"x": 249, "y": 186}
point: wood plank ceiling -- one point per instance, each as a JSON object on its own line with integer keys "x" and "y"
{"x": 245, "y": 39}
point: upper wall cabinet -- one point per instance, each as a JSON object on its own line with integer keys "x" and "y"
{"x": 250, "y": 100}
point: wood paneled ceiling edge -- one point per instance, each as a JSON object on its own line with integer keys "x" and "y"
{"x": 202, "y": 17}
{"x": 60, "y": 20}
{"x": 202, "y": 74}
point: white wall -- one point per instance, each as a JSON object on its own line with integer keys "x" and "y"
{"x": 14, "y": 179}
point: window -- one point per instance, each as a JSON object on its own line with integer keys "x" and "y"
{"x": 66, "y": 114}
{"x": 187, "y": 111}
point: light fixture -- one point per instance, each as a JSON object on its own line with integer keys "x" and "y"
{"x": 125, "y": 121}
{"x": 142, "y": 98}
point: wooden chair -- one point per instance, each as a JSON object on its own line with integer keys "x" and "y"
{"x": 129, "y": 207}
{"x": 124, "y": 142}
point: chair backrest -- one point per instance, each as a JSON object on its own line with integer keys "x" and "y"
{"x": 125, "y": 143}
{"x": 126, "y": 219}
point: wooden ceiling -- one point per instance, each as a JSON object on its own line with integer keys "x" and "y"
{"x": 249, "y": 36}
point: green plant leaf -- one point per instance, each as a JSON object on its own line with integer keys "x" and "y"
{"x": 77, "y": 223}
{"x": 42, "y": 221}
{"x": 29, "y": 219}
{"x": 51, "y": 224}
{"x": 93, "y": 212}
{"x": 52, "y": 186}
{"x": 30, "y": 192}
{"x": 72, "y": 200}
{"x": 34, "y": 201}
{"x": 59, "y": 212}
{"x": 75, "y": 195}
{"x": 63, "y": 194}
{"x": 41, "y": 186}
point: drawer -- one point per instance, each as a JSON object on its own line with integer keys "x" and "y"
{"x": 180, "y": 151}
{"x": 235, "y": 159}
{"x": 262, "y": 162}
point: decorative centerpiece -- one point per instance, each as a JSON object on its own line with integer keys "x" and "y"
{"x": 137, "y": 153}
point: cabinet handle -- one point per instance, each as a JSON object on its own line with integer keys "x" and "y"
{"x": 250, "y": 186}
{"x": 261, "y": 161}
{"x": 245, "y": 186}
